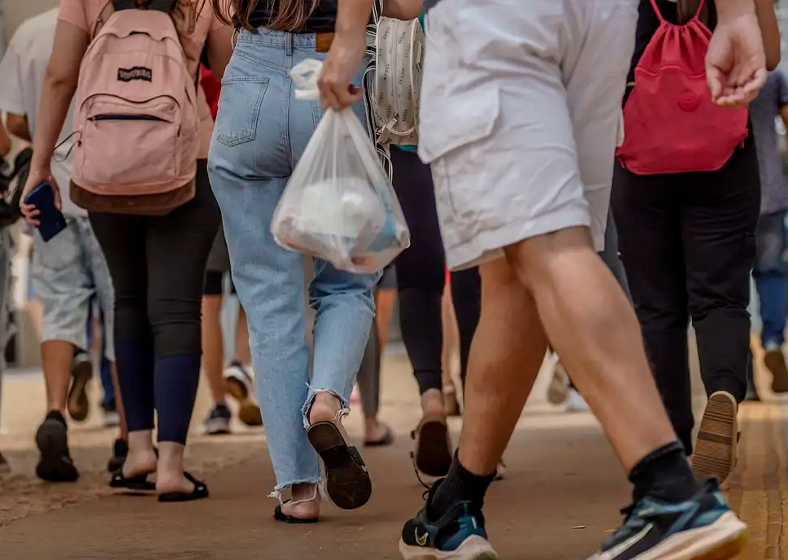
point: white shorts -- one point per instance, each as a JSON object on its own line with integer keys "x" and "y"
{"x": 520, "y": 116}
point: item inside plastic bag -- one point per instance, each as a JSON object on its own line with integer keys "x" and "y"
{"x": 339, "y": 204}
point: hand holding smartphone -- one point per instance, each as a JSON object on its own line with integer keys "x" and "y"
{"x": 51, "y": 220}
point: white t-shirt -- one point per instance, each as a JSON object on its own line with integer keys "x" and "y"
{"x": 23, "y": 70}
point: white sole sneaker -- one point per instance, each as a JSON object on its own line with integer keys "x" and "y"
{"x": 722, "y": 540}
{"x": 473, "y": 548}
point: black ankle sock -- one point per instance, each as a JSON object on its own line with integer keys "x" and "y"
{"x": 664, "y": 474}
{"x": 460, "y": 485}
{"x": 55, "y": 415}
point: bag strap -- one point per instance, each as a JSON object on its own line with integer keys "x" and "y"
{"x": 700, "y": 9}
{"x": 701, "y": 5}
{"x": 656, "y": 11}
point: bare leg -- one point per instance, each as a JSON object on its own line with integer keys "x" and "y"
{"x": 384, "y": 305}
{"x": 169, "y": 469}
{"x": 141, "y": 458}
{"x": 594, "y": 329}
{"x": 56, "y": 358}
{"x": 242, "y": 352}
{"x": 502, "y": 367}
{"x": 213, "y": 347}
{"x": 451, "y": 342}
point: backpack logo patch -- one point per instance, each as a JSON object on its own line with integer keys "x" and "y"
{"x": 136, "y": 73}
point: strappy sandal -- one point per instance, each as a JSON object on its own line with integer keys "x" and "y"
{"x": 200, "y": 491}
{"x": 386, "y": 440}
{"x": 347, "y": 480}
{"x": 433, "y": 454}
{"x": 280, "y": 515}
{"x": 137, "y": 483}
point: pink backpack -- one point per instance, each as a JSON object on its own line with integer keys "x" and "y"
{"x": 136, "y": 116}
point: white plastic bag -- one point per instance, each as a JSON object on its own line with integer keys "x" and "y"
{"x": 339, "y": 204}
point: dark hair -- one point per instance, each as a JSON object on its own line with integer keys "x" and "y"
{"x": 291, "y": 15}
{"x": 688, "y": 8}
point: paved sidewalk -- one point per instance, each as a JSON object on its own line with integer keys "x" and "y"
{"x": 559, "y": 501}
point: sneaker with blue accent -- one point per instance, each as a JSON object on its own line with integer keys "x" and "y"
{"x": 458, "y": 535}
{"x": 703, "y": 528}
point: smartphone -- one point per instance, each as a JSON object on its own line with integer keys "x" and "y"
{"x": 51, "y": 220}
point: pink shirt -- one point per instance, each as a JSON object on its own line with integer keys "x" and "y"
{"x": 194, "y": 32}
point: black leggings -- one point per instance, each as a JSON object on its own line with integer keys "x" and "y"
{"x": 688, "y": 245}
{"x": 421, "y": 277}
{"x": 157, "y": 266}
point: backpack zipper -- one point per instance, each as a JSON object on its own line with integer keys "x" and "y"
{"x": 112, "y": 117}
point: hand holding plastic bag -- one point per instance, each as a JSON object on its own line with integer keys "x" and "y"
{"x": 339, "y": 204}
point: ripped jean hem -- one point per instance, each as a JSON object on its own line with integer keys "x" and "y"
{"x": 279, "y": 488}
{"x": 310, "y": 399}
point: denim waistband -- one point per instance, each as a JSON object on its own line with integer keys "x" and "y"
{"x": 270, "y": 38}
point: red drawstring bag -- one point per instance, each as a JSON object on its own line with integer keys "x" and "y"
{"x": 212, "y": 88}
{"x": 671, "y": 125}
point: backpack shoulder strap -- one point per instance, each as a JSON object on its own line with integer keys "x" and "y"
{"x": 656, "y": 11}
{"x": 701, "y": 5}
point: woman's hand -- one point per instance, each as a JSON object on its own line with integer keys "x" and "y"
{"x": 29, "y": 211}
{"x": 736, "y": 62}
{"x": 340, "y": 67}
{"x": 345, "y": 55}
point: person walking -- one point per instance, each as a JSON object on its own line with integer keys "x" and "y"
{"x": 523, "y": 181}
{"x": 69, "y": 270}
{"x": 234, "y": 379}
{"x": 688, "y": 243}
{"x": 6, "y": 253}
{"x": 157, "y": 326}
{"x": 250, "y": 163}
{"x": 769, "y": 271}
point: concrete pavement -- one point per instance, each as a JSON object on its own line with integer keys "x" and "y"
{"x": 559, "y": 501}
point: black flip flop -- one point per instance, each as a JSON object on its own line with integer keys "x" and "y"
{"x": 200, "y": 491}
{"x": 279, "y": 515}
{"x": 386, "y": 440}
{"x": 348, "y": 482}
{"x": 138, "y": 483}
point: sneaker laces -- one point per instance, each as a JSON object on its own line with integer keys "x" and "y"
{"x": 632, "y": 523}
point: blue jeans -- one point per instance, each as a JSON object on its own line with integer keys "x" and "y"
{"x": 770, "y": 277}
{"x": 261, "y": 132}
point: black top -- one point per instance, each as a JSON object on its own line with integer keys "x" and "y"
{"x": 322, "y": 20}
{"x": 648, "y": 23}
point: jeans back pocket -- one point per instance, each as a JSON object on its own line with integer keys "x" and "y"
{"x": 239, "y": 109}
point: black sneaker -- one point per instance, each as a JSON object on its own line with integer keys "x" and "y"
{"x": 458, "y": 535}
{"x": 218, "y": 421}
{"x": 5, "y": 468}
{"x": 55, "y": 464}
{"x": 81, "y": 374}
{"x": 120, "y": 450}
{"x": 703, "y": 527}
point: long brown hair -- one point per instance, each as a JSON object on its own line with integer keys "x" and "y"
{"x": 688, "y": 8}
{"x": 291, "y": 15}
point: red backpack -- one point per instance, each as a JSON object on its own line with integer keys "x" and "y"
{"x": 671, "y": 125}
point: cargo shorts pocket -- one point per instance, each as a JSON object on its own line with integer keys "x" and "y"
{"x": 448, "y": 143}
{"x": 239, "y": 109}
